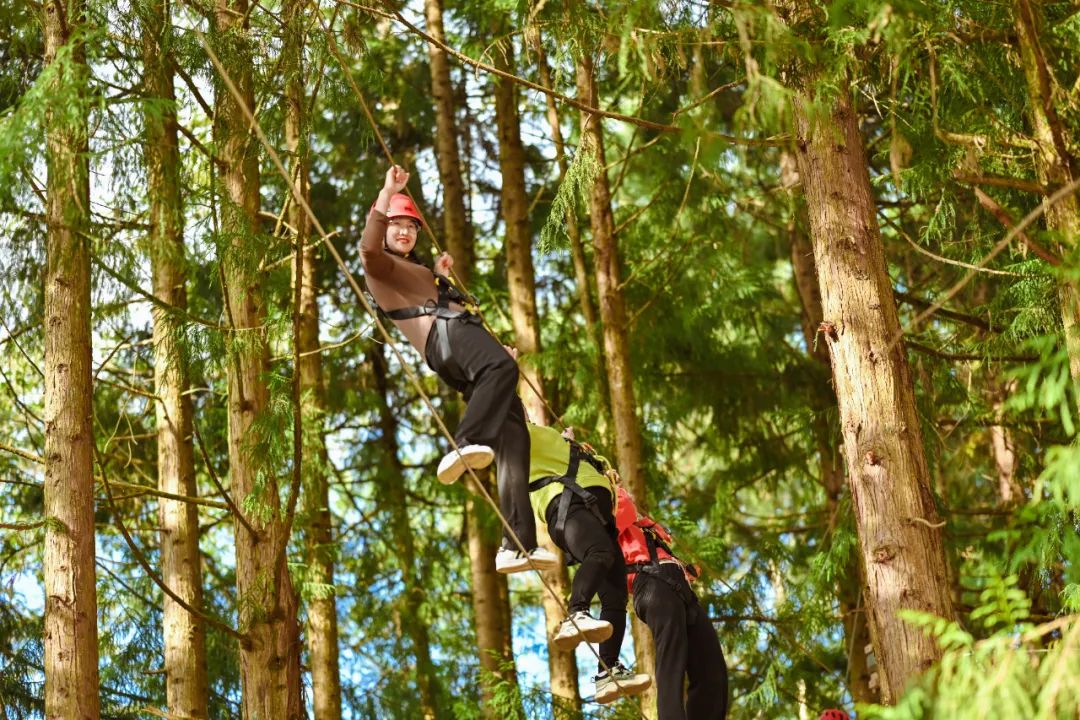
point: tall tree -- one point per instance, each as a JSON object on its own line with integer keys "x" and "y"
{"x": 521, "y": 280}
{"x": 1054, "y": 164}
{"x": 71, "y": 638}
{"x": 830, "y": 465}
{"x": 393, "y": 498}
{"x": 456, "y": 228}
{"x": 322, "y": 620}
{"x": 181, "y": 564}
{"x": 270, "y": 653}
{"x": 896, "y": 519}
{"x": 615, "y": 336}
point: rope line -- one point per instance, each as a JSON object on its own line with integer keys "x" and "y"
{"x": 409, "y": 371}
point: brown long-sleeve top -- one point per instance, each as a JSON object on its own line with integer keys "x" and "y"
{"x": 397, "y": 283}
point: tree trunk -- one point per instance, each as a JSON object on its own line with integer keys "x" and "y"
{"x": 184, "y": 635}
{"x": 521, "y": 282}
{"x": 1054, "y": 166}
{"x": 70, "y": 643}
{"x": 322, "y": 624}
{"x": 577, "y": 249}
{"x": 831, "y": 470}
{"x": 895, "y": 517}
{"x": 270, "y": 652}
{"x": 491, "y": 596}
{"x": 456, "y": 229}
{"x": 573, "y": 230}
{"x": 616, "y": 345}
{"x": 392, "y": 498}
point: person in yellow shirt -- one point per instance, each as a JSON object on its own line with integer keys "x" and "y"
{"x": 571, "y": 494}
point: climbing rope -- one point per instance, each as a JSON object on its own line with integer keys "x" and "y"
{"x": 409, "y": 371}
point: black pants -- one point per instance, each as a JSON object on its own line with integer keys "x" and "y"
{"x": 686, "y": 646}
{"x": 480, "y": 369}
{"x": 602, "y": 571}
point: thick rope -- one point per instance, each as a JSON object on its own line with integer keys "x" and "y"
{"x": 410, "y": 373}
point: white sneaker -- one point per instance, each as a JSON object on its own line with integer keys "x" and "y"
{"x": 581, "y": 627}
{"x": 508, "y": 560}
{"x": 619, "y": 682}
{"x": 454, "y": 464}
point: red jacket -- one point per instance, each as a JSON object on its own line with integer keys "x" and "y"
{"x": 631, "y": 537}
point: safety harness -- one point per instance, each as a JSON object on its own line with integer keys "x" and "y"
{"x": 570, "y": 490}
{"x": 441, "y": 311}
{"x": 654, "y": 543}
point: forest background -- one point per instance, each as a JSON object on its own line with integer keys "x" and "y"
{"x": 806, "y": 272}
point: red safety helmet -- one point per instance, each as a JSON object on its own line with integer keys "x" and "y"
{"x": 833, "y": 715}
{"x": 401, "y": 205}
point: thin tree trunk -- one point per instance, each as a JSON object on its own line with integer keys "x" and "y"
{"x": 616, "y": 344}
{"x": 393, "y": 499}
{"x": 70, "y": 643}
{"x": 491, "y": 596}
{"x": 322, "y": 624}
{"x": 573, "y": 230}
{"x": 577, "y": 248}
{"x": 831, "y": 470}
{"x": 1054, "y": 165}
{"x": 521, "y": 281}
{"x": 270, "y": 652}
{"x": 456, "y": 230}
{"x": 895, "y": 517}
{"x": 184, "y": 635}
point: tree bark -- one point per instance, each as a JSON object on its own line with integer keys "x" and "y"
{"x": 831, "y": 470}
{"x": 322, "y": 624}
{"x": 491, "y": 596}
{"x": 1054, "y": 165}
{"x": 70, "y": 642}
{"x": 616, "y": 344}
{"x": 393, "y": 499}
{"x": 456, "y": 229}
{"x": 895, "y": 517}
{"x": 521, "y": 281}
{"x": 270, "y": 652}
{"x": 184, "y": 635}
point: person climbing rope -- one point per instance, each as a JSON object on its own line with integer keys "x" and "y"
{"x": 573, "y": 497}
{"x": 437, "y": 319}
{"x": 686, "y": 642}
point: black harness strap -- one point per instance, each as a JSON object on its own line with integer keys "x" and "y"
{"x": 570, "y": 490}
{"x": 654, "y": 543}
{"x": 440, "y": 310}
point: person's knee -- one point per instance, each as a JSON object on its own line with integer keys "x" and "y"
{"x": 603, "y": 555}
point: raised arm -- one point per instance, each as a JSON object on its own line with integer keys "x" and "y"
{"x": 376, "y": 263}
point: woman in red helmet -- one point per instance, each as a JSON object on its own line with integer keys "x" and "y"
{"x": 435, "y": 318}
{"x": 687, "y": 649}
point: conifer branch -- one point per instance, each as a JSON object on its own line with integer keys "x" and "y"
{"x": 140, "y": 558}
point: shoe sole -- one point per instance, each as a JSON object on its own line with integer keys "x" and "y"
{"x": 523, "y": 565}
{"x": 473, "y": 460}
{"x": 592, "y": 635}
{"x": 608, "y": 696}
{"x": 629, "y": 689}
{"x": 623, "y": 689}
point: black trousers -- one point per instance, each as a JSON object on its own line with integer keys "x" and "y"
{"x": 479, "y": 367}
{"x": 602, "y": 571}
{"x": 686, "y": 647}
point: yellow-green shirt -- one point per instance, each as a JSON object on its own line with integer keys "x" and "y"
{"x": 550, "y": 455}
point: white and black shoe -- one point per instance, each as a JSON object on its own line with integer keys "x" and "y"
{"x": 509, "y": 561}
{"x": 581, "y": 627}
{"x": 619, "y": 682}
{"x": 456, "y": 462}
